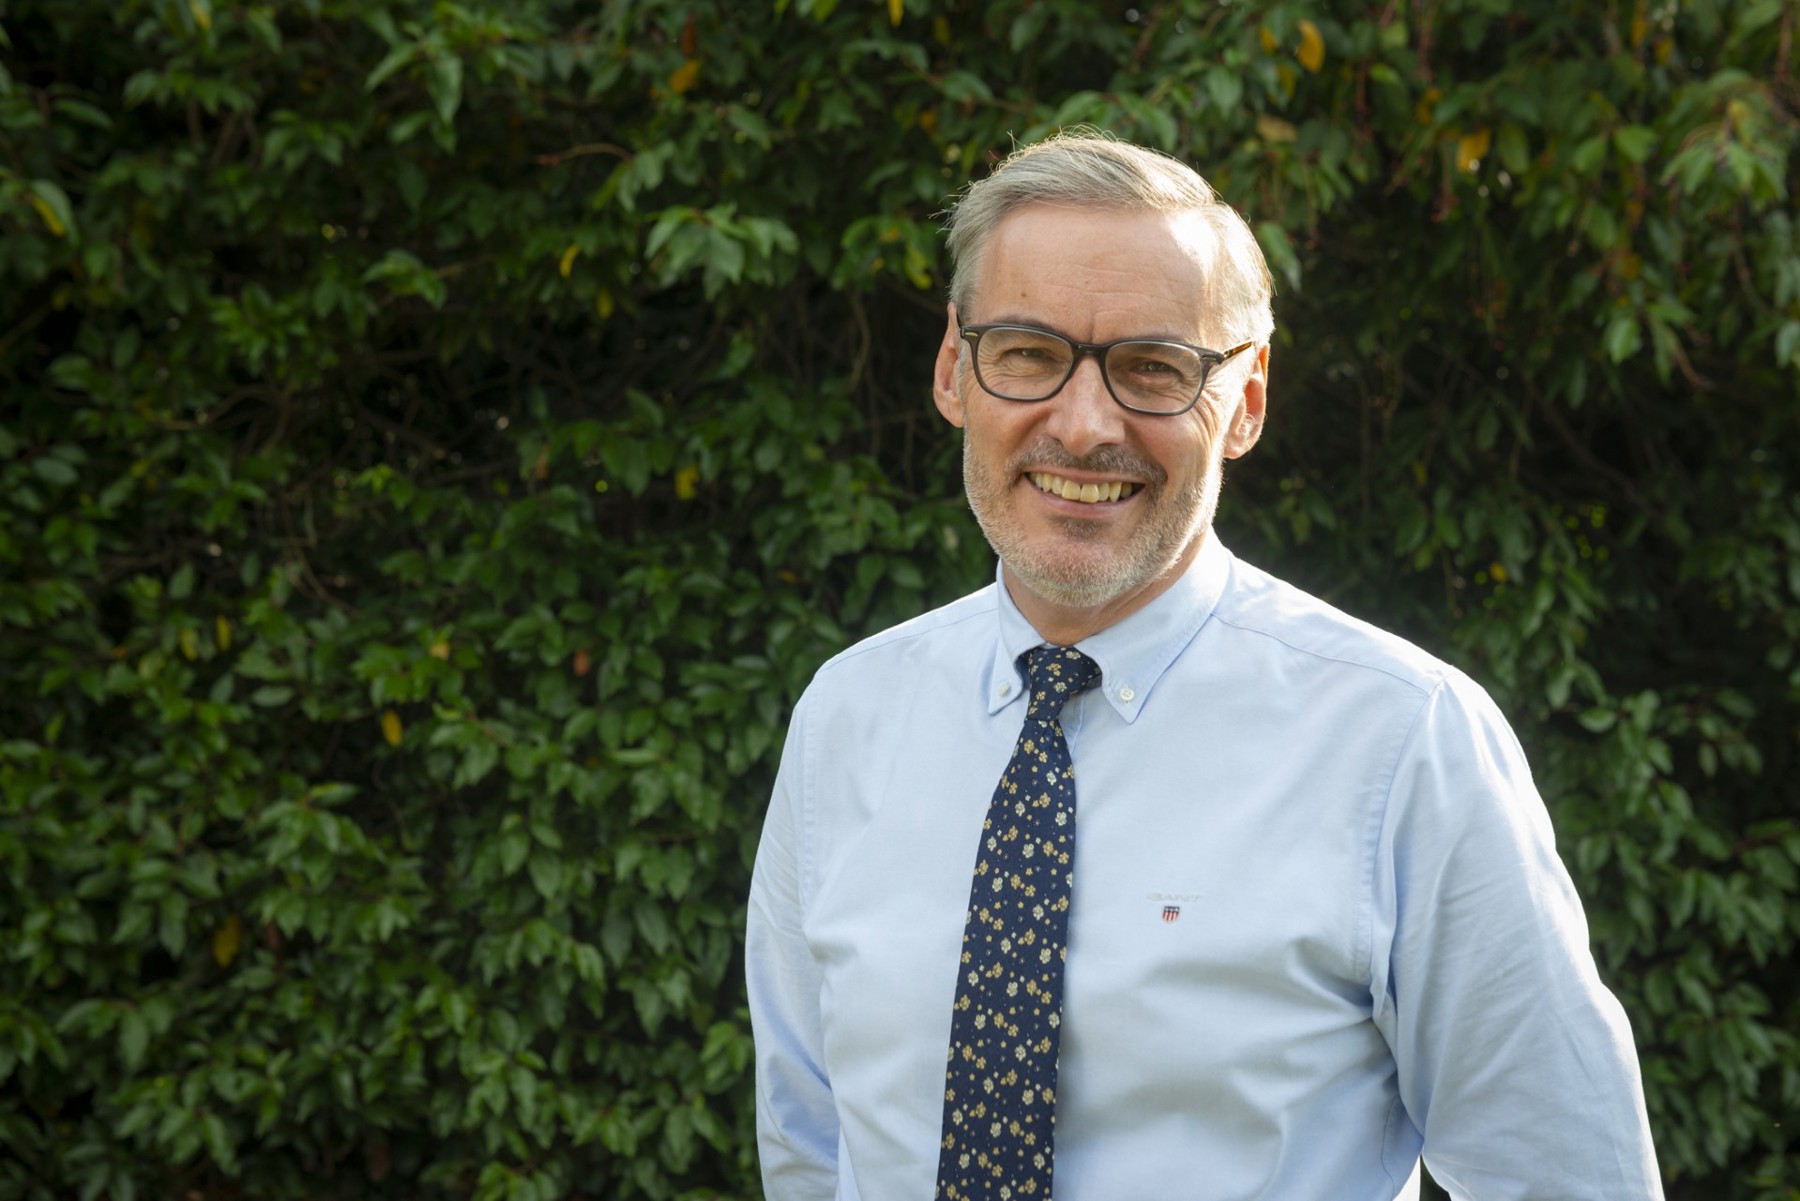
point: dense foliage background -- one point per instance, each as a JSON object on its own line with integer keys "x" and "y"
{"x": 440, "y": 439}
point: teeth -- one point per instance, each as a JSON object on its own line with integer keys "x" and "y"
{"x": 1087, "y": 494}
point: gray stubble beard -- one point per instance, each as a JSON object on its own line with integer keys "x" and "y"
{"x": 1138, "y": 563}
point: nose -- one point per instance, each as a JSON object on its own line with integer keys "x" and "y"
{"x": 1084, "y": 416}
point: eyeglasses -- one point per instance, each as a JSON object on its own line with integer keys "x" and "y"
{"x": 1145, "y": 375}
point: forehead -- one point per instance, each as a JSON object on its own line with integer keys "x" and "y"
{"x": 1097, "y": 274}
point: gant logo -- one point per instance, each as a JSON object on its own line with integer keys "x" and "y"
{"x": 1171, "y": 912}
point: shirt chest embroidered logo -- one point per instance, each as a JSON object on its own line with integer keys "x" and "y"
{"x": 1171, "y": 912}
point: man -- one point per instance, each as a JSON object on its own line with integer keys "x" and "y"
{"x": 1306, "y": 921}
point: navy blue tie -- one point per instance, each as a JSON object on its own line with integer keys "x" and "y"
{"x": 1000, "y": 1078}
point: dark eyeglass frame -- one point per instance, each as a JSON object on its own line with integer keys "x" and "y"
{"x": 1211, "y": 358}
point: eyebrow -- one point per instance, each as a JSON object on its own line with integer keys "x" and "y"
{"x": 1035, "y": 323}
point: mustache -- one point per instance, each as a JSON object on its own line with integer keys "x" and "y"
{"x": 1115, "y": 461}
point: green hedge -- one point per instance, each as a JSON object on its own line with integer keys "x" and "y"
{"x": 440, "y": 439}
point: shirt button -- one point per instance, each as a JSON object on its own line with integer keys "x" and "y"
{"x": 1127, "y": 695}
{"x": 1006, "y": 690}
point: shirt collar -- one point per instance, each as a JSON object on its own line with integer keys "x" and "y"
{"x": 1134, "y": 653}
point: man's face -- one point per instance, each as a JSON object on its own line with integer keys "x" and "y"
{"x": 1096, "y": 276}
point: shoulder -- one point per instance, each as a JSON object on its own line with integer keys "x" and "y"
{"x": 948, "y": 632}
{"x": 1257, "y": 605}
{"x": 857, "y": 700}
{"x": 1352, "y": 681}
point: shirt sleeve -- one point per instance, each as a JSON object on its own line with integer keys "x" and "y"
{"x": 1515, "y": 1063}
{"x": 796, "y": 1121}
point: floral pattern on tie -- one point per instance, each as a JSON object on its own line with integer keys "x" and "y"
{"x": 1000, "y": 1077}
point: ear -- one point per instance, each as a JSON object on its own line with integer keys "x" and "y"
{"x": 943, "y": 378}
{"x": 1247, "y": 419}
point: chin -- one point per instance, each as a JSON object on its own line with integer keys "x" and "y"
{"x": 1066, "y": 594}
{"x": 1075, "y": 584}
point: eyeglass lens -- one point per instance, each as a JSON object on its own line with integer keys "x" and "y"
{"x": 1025, "y": 364}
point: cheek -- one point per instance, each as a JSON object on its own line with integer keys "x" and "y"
{"x": 997, "y": 429}
{"x": 1191, "y": 448}
{"x": 1207, "y": 422}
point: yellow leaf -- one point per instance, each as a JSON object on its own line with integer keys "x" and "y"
{"x": 1427, "y": 105}
{"x": 896, "y": 10}
{"x": 52, "y": 222}
{"x": 1274, "y": 129}
{"x": 226, "y": 941}
{"x": 1498, "y": 571}
{"x": 1267, "y": 39}
{"x": 222, "y": 632}
{"x": 190, "y": 644}
{"x": 391, "y": 729}
{"x": 1312, "y": 46}
{"x": 940, "y": 29}
{"x": 568, "y": 261}
{"x": 440, "y": 649}
{"x": 202, "y": 14}
{"x": 685, "y": 481}
{"x": 683, "y": 78}
{"x": 1471, "y": 148}
{"x": 603, "y": 304}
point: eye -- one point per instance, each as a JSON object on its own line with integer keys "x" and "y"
{"x": 1022, "y": 350}
{"x": 1153, "y": 365}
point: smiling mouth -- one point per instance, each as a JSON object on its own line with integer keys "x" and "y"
{"x": 1088, "y": 494}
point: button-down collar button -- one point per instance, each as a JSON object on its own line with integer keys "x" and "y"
{"x": 1127, "y": 695}
{"x": 1006, "y": 690}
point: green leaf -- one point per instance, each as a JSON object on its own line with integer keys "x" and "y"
{"x": 1280, "y": 251}
{"x": 394, "y": 60}
{"x": 1587, "y": 154}
{"x": 134, "y": 1038}
{"x": 1512, "y": 148}
{"x": 445, "y": 85}
{"x": 53, "y": 205}
{"x": 53, "y": 470}
{"x": 1225, "y": 89}
{"x": 1623, "y": 337}
{"x": 1598, "y": 721}
{"x": 1787, "y": 343}
{"x": 515, "y": 845}
{"x": 1635, "y": 142}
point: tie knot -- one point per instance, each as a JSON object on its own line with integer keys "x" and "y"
{"x": 1058, "y": 673}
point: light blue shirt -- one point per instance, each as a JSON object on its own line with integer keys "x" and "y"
{"x": 1319, "y": 923}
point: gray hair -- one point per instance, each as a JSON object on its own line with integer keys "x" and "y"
{"x": 1086, "y": 169}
